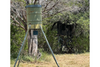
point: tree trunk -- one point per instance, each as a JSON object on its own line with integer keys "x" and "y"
{"x": 32, "y": 43}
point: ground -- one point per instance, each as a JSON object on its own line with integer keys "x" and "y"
{"x": 64, "y": 60}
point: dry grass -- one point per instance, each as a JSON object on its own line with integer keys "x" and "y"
{"x": 64, "y": 60}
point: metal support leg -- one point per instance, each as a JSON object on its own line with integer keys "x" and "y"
{"x": 21, "y": 48}
{"x": 49, "y": 46}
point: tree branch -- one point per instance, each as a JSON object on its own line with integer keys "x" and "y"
{"x": 46, "y": 6}
{"x": 17, "y": 22}
{"x": 58, "y": 12}
{"x": 18, "y": 25}
{"x": 25, "y": 25}
{"x": 35, "y": 1}
{"x": 53, "y": 6}
{"x": 24, "y": 16}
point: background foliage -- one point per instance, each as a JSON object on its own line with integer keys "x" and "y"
{"x": 81, "y": 37}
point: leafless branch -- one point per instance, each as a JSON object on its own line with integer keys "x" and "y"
{"x": 35, "y": 1}
{"x": 46, "y": 6}
{"x": 25, "y": 25}
{"x": 52, "y": 6}
{"x": 58, "y": 12}
{"x": 24, "y": 16}
{"x": 18, "y": 25}
{"x": 17, "y": 22}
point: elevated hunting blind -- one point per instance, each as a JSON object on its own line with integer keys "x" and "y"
{"x": 34, "y": 16}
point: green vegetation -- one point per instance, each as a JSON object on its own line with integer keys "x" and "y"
{"x": 80, "y": 41}
{"x": 17, "y": 36}
{"x": 81, "y": 36}
{"x": 25, "y": 58}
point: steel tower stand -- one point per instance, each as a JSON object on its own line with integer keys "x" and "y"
{"x": 23, "y": 47}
